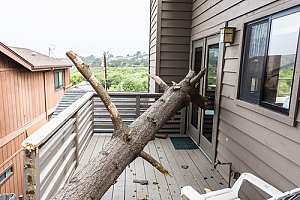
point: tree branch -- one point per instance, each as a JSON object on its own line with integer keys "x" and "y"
{"x": 196, "y": 78}
{"x": 104, "y": 96}
{"x": 154, "y": 163}
{"x": 159, "y": 82}
{"x": 200, "y": 101}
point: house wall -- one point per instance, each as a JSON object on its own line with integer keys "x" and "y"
{"x": 170, "y": 39}
{"x": 253, "y": 142}
{"x": 22, "y": 111}
{"x": 22, "y": 108}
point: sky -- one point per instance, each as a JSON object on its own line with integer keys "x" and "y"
{"x": 84, "y": 26}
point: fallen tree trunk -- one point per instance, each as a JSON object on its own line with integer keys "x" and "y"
{"x": 127, "y": 142}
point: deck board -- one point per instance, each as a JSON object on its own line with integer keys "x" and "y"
{"x": 199, "y": 173}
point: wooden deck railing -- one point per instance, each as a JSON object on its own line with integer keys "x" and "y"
{"x": 131, "y": 106}
{"x": 53, "y": 152}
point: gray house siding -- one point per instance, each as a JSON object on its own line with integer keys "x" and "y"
{"x": 252, "y": 141}
{"x": 170, "y": 40}
{"x": 153, "y": 40}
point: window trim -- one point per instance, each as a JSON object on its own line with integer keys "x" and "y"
{"x": 290, "y": 117}
{"x": 62, "y": 85}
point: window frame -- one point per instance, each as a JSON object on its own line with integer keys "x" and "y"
{"x": 59, "y": 86}
{"x": 262, "y": 107}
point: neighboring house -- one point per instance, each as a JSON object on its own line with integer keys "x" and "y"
{"x": 31, "y": 84}
{"x": 253, "y": 81}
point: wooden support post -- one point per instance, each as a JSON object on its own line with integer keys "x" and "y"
{"x": 138, "y": 106}
{"x": 31, "y": 174}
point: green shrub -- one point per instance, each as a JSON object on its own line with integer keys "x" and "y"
{"x": 120, "y": 79}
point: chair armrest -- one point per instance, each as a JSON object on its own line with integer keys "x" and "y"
{"x": 190, "y": 193}
{"x": 261, "y": 184}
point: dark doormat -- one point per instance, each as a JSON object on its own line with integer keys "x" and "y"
{"x": 181, "y": 143}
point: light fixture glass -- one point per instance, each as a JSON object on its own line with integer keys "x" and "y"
{"x": 227, "y": 35}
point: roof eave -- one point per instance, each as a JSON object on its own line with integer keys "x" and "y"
{"x": 11, "y": 54}
{"x": 50, "y": 67}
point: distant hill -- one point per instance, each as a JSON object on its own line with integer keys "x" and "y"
{"x": 139, "y": 59}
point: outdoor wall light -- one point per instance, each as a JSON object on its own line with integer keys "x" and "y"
{"x": 227, "y": 35}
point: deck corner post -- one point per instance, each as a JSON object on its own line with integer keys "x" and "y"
{"x": 31, "y": 174}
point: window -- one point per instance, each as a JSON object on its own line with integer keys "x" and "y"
{"x": 269, "y": 61}
{"x": 6, "y": 174}
{"x": 58, "y": 79}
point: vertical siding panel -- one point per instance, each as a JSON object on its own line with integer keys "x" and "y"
{"x": 1, "y": 155}
{"x": 41, "y": 97}
{"x": 16, "y": 97}
{"x": 2, "y": 116}
{"x": 5, "y": 158}
{"x": 1, "y": 169}
{"x": 25, "y": 89}
{"x": 15, "y": 175}
{"x": 16, "y": 178}
{"x": 21, "y": 163}
{"x": 10, "y": 101}
{"x": 34, "y": 87}
{"x": 17, "y": 165}
{"x": 6, "y": 112}
{"x": 30, "y": 97}
{"x": 20, "y": 97}
{"x": 12, "y": 178}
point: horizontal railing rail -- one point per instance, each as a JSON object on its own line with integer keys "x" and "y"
{"x": 53, "y": 152}
{"x": 131, "y": 106}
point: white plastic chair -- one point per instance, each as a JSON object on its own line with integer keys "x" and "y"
{"x": 190, "y": 193}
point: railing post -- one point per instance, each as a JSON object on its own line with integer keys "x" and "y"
{"x": 76, "y": 130}
{"x": 138, "y": 106}
{"x": 31, "y": 174}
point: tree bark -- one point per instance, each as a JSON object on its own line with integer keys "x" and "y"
{"x": 98, "y": 175}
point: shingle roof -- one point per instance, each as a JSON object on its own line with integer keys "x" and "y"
{"x": 39, "y": 60}
{"x": 33, "y": 60}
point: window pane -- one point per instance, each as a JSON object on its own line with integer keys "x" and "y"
{"x": 254, "y": 58}
{"x": 212, "y": 64}
{"x": 281, "y": 60}
{"x": 60, "y": 78}
{"x": 198, "y": 59}
{"x": 197, "y": 68}
{"x": 56, "y": 81}
{"x": 213, "y": 56}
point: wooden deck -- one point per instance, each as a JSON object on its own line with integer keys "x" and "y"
{"x": 199, "y": 173}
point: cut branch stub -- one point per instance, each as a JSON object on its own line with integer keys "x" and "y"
{"x": 196, "y": 78}
{"x": 104, "y": 96}
{"x": 159, "y": 82}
